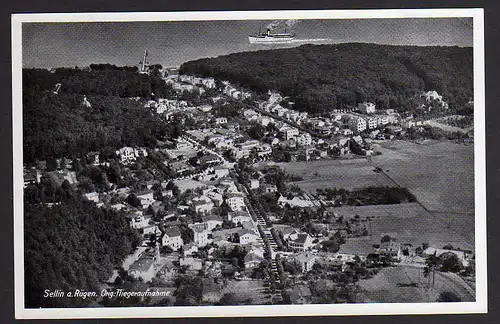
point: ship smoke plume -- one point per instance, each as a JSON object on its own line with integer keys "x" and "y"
{"x": 282, "y": 23}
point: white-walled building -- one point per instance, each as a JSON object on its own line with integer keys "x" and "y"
{"x": 235, "y": 201}
{"x": 172, "y": 238}
{"x": 288, "y": 132}
{"x": 357, "y": 124}
{"x": 366, "y": 107}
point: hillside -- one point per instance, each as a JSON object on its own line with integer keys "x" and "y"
{"x": 73, "y": 245}
{"x": 57, "y": 125}
{"x": 324, "y": 77}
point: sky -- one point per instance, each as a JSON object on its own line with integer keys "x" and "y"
{"x": 48, "y": 45}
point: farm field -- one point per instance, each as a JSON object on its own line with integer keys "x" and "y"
{"x": 247, "y": 289}
{"x": 409, "y": 223}
{"x": 439, "y": 173}
{"x": 347, "y": 174}
{"x": 393, "y": 285}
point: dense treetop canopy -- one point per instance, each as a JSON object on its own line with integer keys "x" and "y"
{"x": 324, "y": 77}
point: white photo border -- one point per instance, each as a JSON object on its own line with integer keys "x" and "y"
{"x": 479, "y": 306}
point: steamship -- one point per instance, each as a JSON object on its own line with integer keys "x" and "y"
{"x": 268, "y": 37}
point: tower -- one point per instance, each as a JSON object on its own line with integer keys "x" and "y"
{"x": 144, "y": 63}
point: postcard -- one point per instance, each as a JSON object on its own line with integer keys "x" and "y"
{"x": 247, "y": 164}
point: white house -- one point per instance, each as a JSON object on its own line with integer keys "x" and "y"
{"x": 172, "y": 238}
{"x": 239, "y": 217}
{"x": 215, "y": 197}
{"x": 143, "y": 268}
{"x": 306, "y": 261}
{"x": 189, "y": 249}
{"x": 357, "y": 124}
{"x": 126, "y": 154}
{"x": 146, "y": 198}
{"x": 371, "y": 122}
{"x": 304, "y": 139}
{"x": 200, "y": 237}
{"x": 202, "y": 205}
{"x": 366, "y": 107}
{"x": 288, "y": 132}
{"x": 221, "y": 120}
{"x": 92, "y": 196}
{"x": 254, "y": 183}
{"x": 300, "y": 241}
{"x": 235, "y": 201}
{"x": 246, "y": 236}
{"x": 212, "y": 221}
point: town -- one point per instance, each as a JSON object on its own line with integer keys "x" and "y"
{"x": 224, "y": 221}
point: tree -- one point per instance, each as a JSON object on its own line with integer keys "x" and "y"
{"x": 228, "y": 299}
{"x": 448, "y": 297}
{"x": 450, "y": 262}
{"x": 134, "y": 201}
{"x": 385, "y": 238}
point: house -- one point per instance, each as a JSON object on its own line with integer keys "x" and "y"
{"x": 294, "y": 202}
{"x": 306, "y": 261}
{"x": 300, "y": 294}
{"x": 221, "y": 171}
{"x": 239, "y": 217}
{"x": 346, "y": 132}
{"x": 264, "y": 121}
{"x": 150, "y": 229}
{"x": 269, "y": 188}
{"x": 264, "y": 150}
{"x": 221, "y": 120}
{"x": 366, "y": 107}
{"x": 304, "y": 139}
{"x": 391, "y": 250}
{"x": 252, "y": 261}
{"x": 126, "y": 154}
{"x": 212, "y": 221}
{"x": 288, "y": 132}
{"x": 202, "y": 205}
{"x": 201, "y": 234}
{"x": 138, "y": 220}
{"x": 254, "y": 183}
{"x": 172, "y": 238}
{"x": 235, "y": 201}
{"x": 92, "y": 196}
{"x": 189, "y": 249}
{"x": 300, "y": 241}
{"x": 210, "y": 159}
{"x": 146, "y": 198}
{"x": 246, "y": 236}
{"x": 357, "y": 124}
{"x": 143, "y": 268}
{"x": 371, "y": 122}
{"x": 94, "y": 158}
{"x": 215, "y": 197}
{"x": 461, "y": 255}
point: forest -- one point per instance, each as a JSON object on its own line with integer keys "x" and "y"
{"x": 57, "y": 125}
{"x": 70, "y": 245}
{"x": 320, "y": 78}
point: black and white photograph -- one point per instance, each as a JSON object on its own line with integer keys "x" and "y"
{"x": 186, "y": 164}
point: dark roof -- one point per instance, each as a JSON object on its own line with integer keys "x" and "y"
{"x": 172, "y": 231}
{"x": 212, "y": 217}
{"x": 143, "y": 264}
{"x": 301, "y": 238}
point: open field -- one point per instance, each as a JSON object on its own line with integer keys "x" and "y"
{"x": 409, "y": 223}
{"x": 347, "y": 174}
{"x": 439, "y": 173}
{"x": 393, "y": 285}
{"x": 247, "y": 289}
